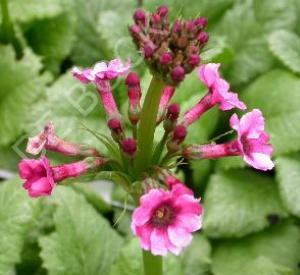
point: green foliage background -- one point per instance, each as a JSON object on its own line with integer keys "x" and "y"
{"x": 251, "y": 223}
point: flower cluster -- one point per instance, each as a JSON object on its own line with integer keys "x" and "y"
{"x": 168, "y": 212}
{"x": 171, "y": 51}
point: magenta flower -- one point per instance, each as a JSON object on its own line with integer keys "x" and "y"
{"x": 41, "y": 177}
{"x": 48, "y": 140}
{"x": 165, "y": 220}
{"x": 102, "y": 71}
{"x": 100, "y": 75}
{"x": 218, "y": 94}
{"x": 168, "y": 92}
{"x": 38, "y": 175}
{"x": 253, "y": 140}
{"x": 251, "y": 143}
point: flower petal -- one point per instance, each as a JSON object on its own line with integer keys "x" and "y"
{"x": 179, "y": 236}
{"x": 159, "y": 242}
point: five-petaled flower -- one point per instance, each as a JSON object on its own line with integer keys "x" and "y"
{"x": 165, "y": 219}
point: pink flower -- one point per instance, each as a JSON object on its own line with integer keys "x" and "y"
{"x": 100, "y": 75}
{"x": 167, "y": 94}
{"x": 47, "y": 139}
{"x": 41, "y": 177}
{"x": 165, "y": 220}
{"x": 253, "y": 140}
{"x": 38, "y": 175}
{"x": 102, "y": 71}
{"x": 218, "y": 94}
{"x": 251, "y": 143}
{"x": 219, "y": 88}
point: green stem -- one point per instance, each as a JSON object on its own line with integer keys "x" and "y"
{"x": 159, "y": 148}
{"x": 6, "y": 27}
{"x": 147, "y": 125}
{"x": 153, "y": 265}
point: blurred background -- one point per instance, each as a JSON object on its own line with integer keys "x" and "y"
{"x": 251, "y": 224}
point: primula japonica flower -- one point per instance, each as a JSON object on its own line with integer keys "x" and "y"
{"x": 41, "y": 178}
{"x": 218, "y": 93}
{"x": 171, "y": 51}
{"x": 251, "y": 143}
{"x": 165, "y": 219}
{"x": 101, "y": 75}
{"x": 48, "y": 140}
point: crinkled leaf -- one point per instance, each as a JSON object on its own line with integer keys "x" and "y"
{"x": 277, "y": 94}
{"x": 15, "y": 215}
{"x": 20, "y": 86}
{"x": 196, "y": 259}
{"x": 288, "y": 174}
{"x": 52, "y": 38}
{"x": 285, "y": 46}
{"x": 251, "y": 52}
{"x": 83, "y": 242}
{"x": 239, "y": 202}
{"x": 25, "y": 11}
{"x": 273, "y": 251}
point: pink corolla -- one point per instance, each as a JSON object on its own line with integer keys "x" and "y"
{"x": 41, "y": 178}
{"x": 251, "y": 143}
{"x": 102, "y": 71}
{"x": 218, "y": 93}
{"x": 253, "y": 140}
{"x": 165, "y": 219}
{"x": 100, "y": 75}
{"x": 47, "y": 139}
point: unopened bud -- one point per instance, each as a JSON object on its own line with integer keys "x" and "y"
{"x": 162, "y": 11}
{"x": 115, "y": 125}
{"x": 129, "y": 146}
{"x": 194, "y": 60}
{"x": 201, "y": 22}
{"x": 166, "y": 58}
{"x": 178, "y": 74}
{"x": 132, "y": 80}
{"x": 203, "y": 37}
{"x": 149, "y": 50}
{"x": 140, "y": 17}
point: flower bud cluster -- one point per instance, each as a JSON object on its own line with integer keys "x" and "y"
{"x": 170, "y": 51}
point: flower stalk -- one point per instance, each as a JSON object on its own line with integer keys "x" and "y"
{"x": 147, "y": 125}
{"x": 153, "y": 265}
{"x": 6, "y": 27}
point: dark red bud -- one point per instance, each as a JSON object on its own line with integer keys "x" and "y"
{"x": 173, "y": 111}
{"x": 162, "y": 10}
{"x": 148, "y": 50}
{"x": 177, "y": 26}
{"x": 139, "y": 16}
{"x": 178, "y": 74}
{"x": 132, "y": 80}
{"x": 156, "y": 18}
{"x": 203, "y": 37}
{"x": 129, "y": 146}
{"x": 166, "y": 58}
{"x": 194, "y": 60}
{"x": 115, "y": 125}
{"x": 135, "y": 29}
{"x": 180, "y": 133}
{"x": 190, "y": 26}
{"x": 201, "y": 22}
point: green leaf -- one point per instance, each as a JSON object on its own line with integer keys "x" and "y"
{"x": 20, "y": 86}
{"x": 275, "y": 14}
{"x": 251, "y": 52}
{"x": 230, "y": 163}
{"x": 196, "y": 259}
{"x": 285, "y": 46}
{"x": 288, "y": 175}
{"x": 83, "y": 242}
{"x": 274, "y": 251}
{"x": 130, "y": 261}
{"x": 70, "y": 104}
{"x": 238, "y": 202}
{"x": 280, "y": 107}
{"x": 34, "y": 9}
{"x": 58, "y": 41}
{"x": 15, "y": 215}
